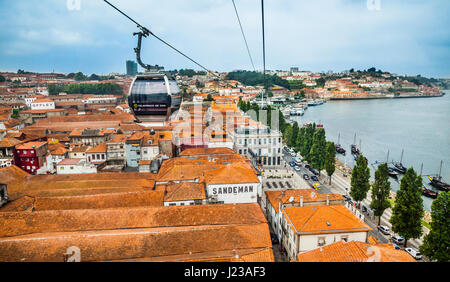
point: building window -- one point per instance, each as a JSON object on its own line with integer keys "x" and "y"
{"x": 344, "y": 238}
{"x": 320, "y": 241}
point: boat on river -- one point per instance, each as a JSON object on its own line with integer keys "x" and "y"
{"x": 399, "y": 167}
{"x": 392, "y": 173}
{"x": 429, "y": 193}
{"x": 436, "y": 181}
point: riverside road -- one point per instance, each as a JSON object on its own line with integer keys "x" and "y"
{"x": 340, "y": 184}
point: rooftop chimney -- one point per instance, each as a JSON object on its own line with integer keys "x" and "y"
{"x": 328, "y": 200}
{"x": 301, "y": 201}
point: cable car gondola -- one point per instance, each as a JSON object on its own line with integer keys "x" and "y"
{"x": 153, "y": 93}
{"x": 153, "y": 96}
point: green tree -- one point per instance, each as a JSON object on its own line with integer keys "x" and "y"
{"x": 287, "y": 133}
{"x": 94, "y": 77}
{"x": 209, "y": 98}
{"x": 308, "y": 141}
{"x": 301, "y": 139}
{"x": 380, "y": 191}
{"x": 359, "y": 184}
{"x": 15, "y": 113}
{"x": 79, "y": 76}
{"x": 2, "y": 78}
{"x": 320, "y": 82}
{"x": 317, "y": 153}
{"x": 436, "y": 244}
{"x": 293, "y": 139}
{"x": 330, "y": 159}
{"x": 408, "y": 208}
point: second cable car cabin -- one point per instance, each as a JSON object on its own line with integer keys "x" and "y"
{"x": 154, "y": 94}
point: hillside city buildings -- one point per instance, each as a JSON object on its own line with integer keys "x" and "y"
{"x": 80, "y": 176}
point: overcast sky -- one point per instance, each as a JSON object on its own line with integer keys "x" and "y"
{"x": 403, "y": 37}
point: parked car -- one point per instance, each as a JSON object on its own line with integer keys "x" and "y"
{"x": 274, "y": 239}
{"x": 305, "y": 176}
{"x": 397, "y": 239}
{"x": 364, "y": 209}
{"x": 307, "y": 166}
{"x": 314, "y": 178}
{"x": 316, "y": 186}
{"x": 292, "y": 164}
{"x": 296, "y": 168}
{"x": 384, "y": 229}
{"x": 396, "y": 246}
{"x": 414, "y": 253}
{"x": 293, "y": 154}
{"x": 315, "y": 172}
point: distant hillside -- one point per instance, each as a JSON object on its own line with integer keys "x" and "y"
{"x": 253, "y": 78}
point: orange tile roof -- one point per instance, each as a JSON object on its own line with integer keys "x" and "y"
{"x": 59, "y": 151}
{"x": 21, "y": 183}
{"x": 184, "y": 191}
{"x": 230, "y": 174}
{"x": 30, "y": 145}
{"x": 97, "y": 201}
{"x": 232, "y": 168}
{"x": 141, "y": 233}
{"x": 80, "y": 149}
{"x": 100, "y": 148}
{"x": 355, "y": 251}
{"x": 309, "y": 196}
{"x": 119, "y": 138}
{"x": 9, "y": 142}
{"x": 323, "y": 219}
{"x": 42, "y": 100}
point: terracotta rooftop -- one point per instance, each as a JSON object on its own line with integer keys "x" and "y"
{"x": 21, "y": 183}
{"x": 119, "y": 138}
{"x": 100, "y": 148}
{"x": 9, "y": 142}
{"x": 231, "y": 168}
{"x": 323, "y": 219}
{"x": 355, "y": 251}
{"x": 206, "y": 232}
{"x": 80, "y": 149}
{"x": 184, "y": 191}
{"x": 70, "y": 161}
{"x": 97, "y": 201}
{"x": 59, "y": 151}
{"x": 293, "y": 196}
{"x": 30, "y": 145}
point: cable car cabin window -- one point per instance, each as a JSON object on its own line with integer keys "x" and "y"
{"x": 149, "y": 87}
{"x": 173, "y": 85}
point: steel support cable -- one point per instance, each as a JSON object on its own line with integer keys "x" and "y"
{"x": 264, "y": 50}
{"x": 243, "y": 35}
{"x": 147, "y": 32}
